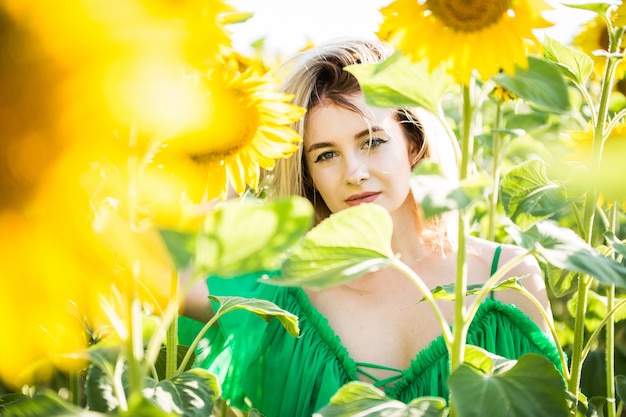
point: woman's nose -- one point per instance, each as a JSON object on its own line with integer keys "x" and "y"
{"x": 357, "y": 171}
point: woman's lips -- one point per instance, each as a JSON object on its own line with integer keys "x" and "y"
{"x": 356, "y": 199}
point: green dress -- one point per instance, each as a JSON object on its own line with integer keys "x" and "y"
{"x": 259, "y": 365}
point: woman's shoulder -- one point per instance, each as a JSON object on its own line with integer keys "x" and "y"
{"x": 501, "y": 253}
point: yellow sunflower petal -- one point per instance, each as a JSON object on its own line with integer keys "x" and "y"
{"x": 473, "y": 32}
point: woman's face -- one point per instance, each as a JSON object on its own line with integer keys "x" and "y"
{"x": 355, "y": 159}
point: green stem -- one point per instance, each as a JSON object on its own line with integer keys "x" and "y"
{"x": 171, "y": 346}
{"x": 460, "y": 326}
{"x": 493, "y": 200}
{"x": 134, "y": 343}
{"x": 74, "y": 388}
{"x": 192, "y": 347}
{"x": 584, "y": 282}
{"x": 596, "y": 333}
{"x": 610, "y": 334}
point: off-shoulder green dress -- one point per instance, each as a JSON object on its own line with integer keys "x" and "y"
{"x": 261, "y": 366}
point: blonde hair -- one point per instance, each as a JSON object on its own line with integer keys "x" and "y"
{"x": 317, "y": 74}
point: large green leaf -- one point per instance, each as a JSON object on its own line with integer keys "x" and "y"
{"x": 574, "y": 64}
{"x": 246, "y": 236}
{"x": 342, "y": 247}
{"x": 531, "y": 388}
{"x": 263, "y": 308}
{"x": 190, "y": 394}
{"x": 399, "y": 82}
{"x": 541, "y": 84}
{"x": 437, "y": 194}
{"x": 528, "y": 196}
{"x": 564, "y": 249}
{"x": 359, "y": 398}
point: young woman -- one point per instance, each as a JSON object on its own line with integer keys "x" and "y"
{"x": 371, "y": 329}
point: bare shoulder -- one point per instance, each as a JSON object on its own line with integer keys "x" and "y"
{"x": 523, "y": 266}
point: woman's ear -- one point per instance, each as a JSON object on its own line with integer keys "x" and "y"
{"x": 414, "y": 153}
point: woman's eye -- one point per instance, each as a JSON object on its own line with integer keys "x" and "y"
{"x": 325, "y": 156}
{"x": 373, "y": 143}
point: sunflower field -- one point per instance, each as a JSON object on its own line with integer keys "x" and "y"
{"x": 132, "y": 140}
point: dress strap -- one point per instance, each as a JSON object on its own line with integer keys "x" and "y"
{"x": 494, "y": 263}
{"x": 378, "y": 382}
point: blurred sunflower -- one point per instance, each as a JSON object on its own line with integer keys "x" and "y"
{"x": 485, "y": 36}
{"x": 612, "y": 168}
{"x": 238, "y": 125}
{"x": 594, "y": 36}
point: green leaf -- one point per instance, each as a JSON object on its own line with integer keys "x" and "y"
{"x": 531, "y": 388}
{"x": 190, "y": 394}
{"x": 541, "y": 84}
{"x": 487, "y": 362}
{"x": 528, "y": 196}
{"x": 564, "y": 249}
{"x": 574, "y": 64}
{"x": 180, "y": 245}
{"x": 617, "y": 245}
{"x": 363, "y": 399}
{"x": 342, "y": 247}
{"x": 447, "y": 292}
{"x": 597, "y": 310}
{"x": 249, "y": 236}
{"x": 263, "y": 308}
{"x": 45, "y": 403}
{"x": 161, "y": 361}
{"x": 139, "y": 406}
{"x": 620, "y": 387}
{"x": 561, "y": 281}
{"x": 399, "y": 82}
{"x": 596, "y": 7}
{"x": 99, "y": 393}
{"x": 437, "y": 194}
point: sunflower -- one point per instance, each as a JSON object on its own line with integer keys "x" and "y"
{"x": 612, "y": 167}
{"x": 485, "y": 36}
{"x": 594, "y": 36}
{"x": 239, "y": 125}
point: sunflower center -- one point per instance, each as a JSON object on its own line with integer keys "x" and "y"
{"x": 469, "y": 15}
{"x": 229, "y": 125}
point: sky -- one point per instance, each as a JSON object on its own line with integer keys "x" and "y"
{"x": 287, "y": 24}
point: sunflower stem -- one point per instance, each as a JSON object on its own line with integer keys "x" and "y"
{"x": 584, "y": 282}
{"x": 610, "y": 333}
{"x": 460, "y": 327}
{"x": 493, "y": 198}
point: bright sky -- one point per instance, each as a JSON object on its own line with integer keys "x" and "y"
{"x": 287, "y": 24}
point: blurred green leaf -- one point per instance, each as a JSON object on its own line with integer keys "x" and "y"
{"x": 437, "y": 194}
{"x": 574, "y": 64}
{"x": 363, "y": 399}
{"x": 597, "y": 309}
{"x": 531, "y": 388}
{"x": 45, "y": 403}
{"x": 180, "y": 245}
{"x": 263, "y": 308}
{"x": 399, "y": 82}
{"x": 596, "y": 7}
{"x": 541, "y": 84}
{"x": 341, "y": 248}
{"x": 247, "y": 236}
